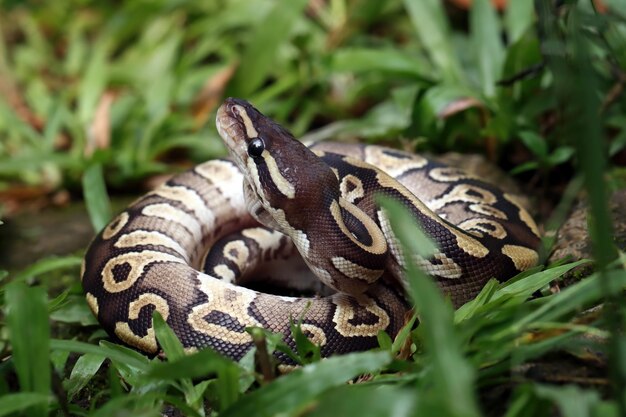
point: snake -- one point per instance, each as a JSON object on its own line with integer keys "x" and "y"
{"x": 195, "y": 247}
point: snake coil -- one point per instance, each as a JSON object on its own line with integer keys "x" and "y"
{"x": 183, "y": 248}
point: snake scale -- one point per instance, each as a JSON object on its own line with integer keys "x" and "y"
{"x": 184, "y": 248}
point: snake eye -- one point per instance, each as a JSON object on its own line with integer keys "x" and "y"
{"x": 256, "y": 147}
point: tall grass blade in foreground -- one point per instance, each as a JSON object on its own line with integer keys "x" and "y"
{"x": 576, "y": 85}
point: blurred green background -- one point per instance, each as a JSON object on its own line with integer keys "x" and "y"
{"x": 133, "y": 85}
{"x": 110, "y": 95}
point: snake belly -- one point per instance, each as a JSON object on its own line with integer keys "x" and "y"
{"x": 149, "y": 257}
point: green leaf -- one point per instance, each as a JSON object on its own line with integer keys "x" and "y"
{"x": 21, "y": 402}
{"x": 261, "y": 53}
{"x": 388, "y": 117}
{"x": 308, "y": 351}
{"x": 84, "y": 369}
{"x": 468, "y": 309}
{"x": 518, "y": 17}
{"x": 131, "y": 405}
{"x": 167, "y": 338}
{"x": 383, "y": 60}
{"x": 560, "y": 155}
{"x": 526, "y": 166}
{"x": 109, "y": 350}
{"x": 96, "y": 198}
{"x": 29, "y": 333}
{"x": 46, "y": 265}
{"x": 200, "y": 364}
{"x": 93, "y": 82}
{"x": 291, "y": 392}
{"x": 73, "y": 309}
{"x": 571, "y": 299}
{"x": 403, "y": 335}
{"x": 452, "y": 374}
{"x": 521, "y": 289}
{"x": 488, "y": 48}
{"x": 571, "y": 400}
{"x": 435, "y": 102}
{"x": 536, "y": 143}
{"x": 430, "y": 22}
{"x": 366, "y": 400}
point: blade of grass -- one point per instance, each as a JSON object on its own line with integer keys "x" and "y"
{"x": 576, "y": 87}
{"x": 172, "y": 347}
{"x": 96, "y": 198}
{"x": 84, "y": 369}
{"x": 173, "y": 350}
{"x": 572, "y": 401}
{"x": 488, "y": 48}
{"x": 123, "y": 355}
{"x": 570, "y": 300}
{"x": 453, "y": 376}
{"x": 384, "y": 60}
{"x": 46, "y": 265}
{"x": 29, "y": 333}
{"x": 366, "y": 400}
{"x": 260, "y": 55}
{"x": 293, "y": 391}
{"x": 196, "y": 365}
{"x": 518, "y": 17}
{"x": 20, "y": 402}
{"x": 431, "y": 25}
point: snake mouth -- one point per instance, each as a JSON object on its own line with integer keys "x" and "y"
{"x": 232, "y": 130}
{"x": 229, "y": 127}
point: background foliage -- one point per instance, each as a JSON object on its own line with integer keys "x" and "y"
{"x": 96, "y": 94}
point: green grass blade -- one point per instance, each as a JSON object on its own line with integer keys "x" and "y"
{"x": 366, "y": 400}
{"x": 518, "y": 17}
{"x": 196, "y": 365}
{"x": 293, "y": 391}
{"x": 96, "y": 198}
{"x": 46, "y": 265}
{"x": 29, "y": 329}
{"x": 488, "y": 48}
{"x": 524, "y": 288}
{"x": 93, "y": 82}
{"x": 571, "y": 400}
{"x": 453, "y": 376}
{"x": 84, "y": 369}
{"x": 576, "y": 86}
{"x": 391, "y": 61}
{"x": 570, "y": 300}
{"x": 131, "y": 405}
{"x": 431, "y": 24}
{"x": 122, "y": 355}
{"x": 20, "y": 402}
{"x": 259, "y": 57}
{"x": 167, "y": 338}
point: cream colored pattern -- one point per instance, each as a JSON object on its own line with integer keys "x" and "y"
{"x": 148, "y": 342}
{"x": 522, "y": 257}
{"x": 344, "y": 313}
{"x": 284, "y": 186}
{"x": 523, "y": 214}
{"x": 115, "y": 226}
{"x": 227, "y": 299}
{"x": 138, "y": 263}
{"x": 315, "y": 334}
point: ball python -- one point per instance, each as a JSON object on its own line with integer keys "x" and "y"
{"x": 184, "y": 248}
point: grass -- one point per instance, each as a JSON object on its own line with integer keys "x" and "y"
{"x": 98, "y": 96}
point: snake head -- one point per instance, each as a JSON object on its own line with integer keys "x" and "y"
{"x": 278, "y": 168}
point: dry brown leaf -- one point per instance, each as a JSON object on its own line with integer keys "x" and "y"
{"x": 210, "y": 95}
{"x": 458, "y": 106}
{"x": 99, "y": 132}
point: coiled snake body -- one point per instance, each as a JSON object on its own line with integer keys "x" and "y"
{"x": 320, "y": 201}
